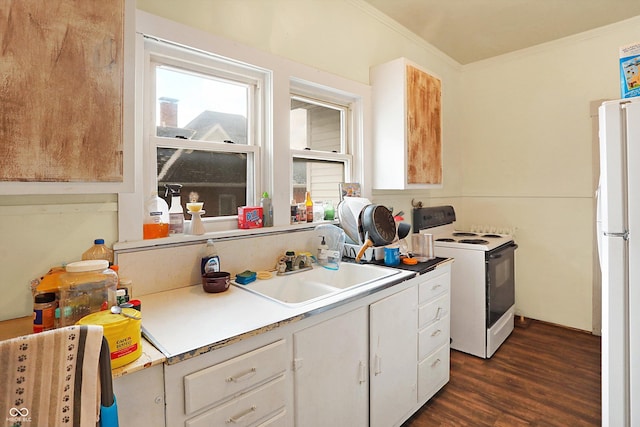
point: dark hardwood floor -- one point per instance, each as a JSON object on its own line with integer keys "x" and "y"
{"x": 543, "y": 375}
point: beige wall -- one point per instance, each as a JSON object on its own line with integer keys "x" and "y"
{"x": 529, "y": 162}
{"x": 525, "y": 116}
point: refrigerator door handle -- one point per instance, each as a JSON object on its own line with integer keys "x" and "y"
{"x": 624, "y": 235}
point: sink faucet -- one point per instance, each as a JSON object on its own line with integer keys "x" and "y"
{"x": 301, "y": 260}
{"x": 292, "y": 264}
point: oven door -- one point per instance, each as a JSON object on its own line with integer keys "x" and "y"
{"x": 501, "y": 295}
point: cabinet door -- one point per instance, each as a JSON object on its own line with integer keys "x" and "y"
{"x": 140, "y": 397}
{"x": 394, "y": 348}
{"x": 424, "y": 133}
{"x": 330, "y": 372}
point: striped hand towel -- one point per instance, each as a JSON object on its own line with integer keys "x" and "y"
{"x": 51, "y": 378}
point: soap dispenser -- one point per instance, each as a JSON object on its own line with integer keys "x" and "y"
{"x": 323, "y": 252}
{"x": 176, "y": 213}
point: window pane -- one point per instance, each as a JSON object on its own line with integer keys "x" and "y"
{"x": 219, "y": 179}
{"x": 315, "y": 126}
{"x": 319, "y": 177}
{"x": 197, "y": 106}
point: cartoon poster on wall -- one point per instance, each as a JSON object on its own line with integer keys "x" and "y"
{"x": 630, "y": 70}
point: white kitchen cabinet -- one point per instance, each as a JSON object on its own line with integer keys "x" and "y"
{"x": 243, "y": 385}
{"x": 140, "y": 397}
{"x": 407, "y": 126}
{"x": 393, "y": 350}
{"x": 330, "y": 372}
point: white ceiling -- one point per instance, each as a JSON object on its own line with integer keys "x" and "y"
{"x": 472, "y": 30}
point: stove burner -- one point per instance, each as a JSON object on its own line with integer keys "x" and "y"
{"x": 464, "y": 234}
{"x": 491, "y": 236}
{"x": 474, "y": 241}
{"x": 445, "y": 239}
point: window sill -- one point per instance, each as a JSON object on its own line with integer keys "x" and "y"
{"x": 189, "y": 239}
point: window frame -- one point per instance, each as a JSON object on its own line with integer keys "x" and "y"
{"x": 332, "y": 98}
{"x": 161, "y": 52}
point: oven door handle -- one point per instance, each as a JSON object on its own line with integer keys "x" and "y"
{"x": 513, "y": 246}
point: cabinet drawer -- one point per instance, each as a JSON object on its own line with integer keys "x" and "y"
{"x": 247, "y": 409}
{"x": 278, "y": 420}
{"x": 213, "y": 384}
{"x": 433, "y": 311}
{"x": 433, "y": 373}
{"x": 432, "y": 337}
{"x": 433, "y": 287}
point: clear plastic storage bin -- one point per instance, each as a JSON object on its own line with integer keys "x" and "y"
{"x": 86, "y": 287}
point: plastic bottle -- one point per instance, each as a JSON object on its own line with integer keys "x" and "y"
{"x": 99, "y": 251}
{"x": 308, "y": 203}
{"x": 267, "y": 210}
{"x": 210, "y": 260}
{"x": 156, "y": 218}
{"x": 323, "y": 252}
{"x": 176, "y": 212}
{"x": 294, "y": 212}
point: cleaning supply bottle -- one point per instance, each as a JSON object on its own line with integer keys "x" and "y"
{"x": 293, "y": 212}
{"x": 323, "y": 252}
{"x": 308, "y": 203}
{"x": 176, "y": 213}
{"x": 210, "y": 260}
{"x": 99, "y": 251}
{"x": 267, "y": 210}
{"x": 156, "y": 218}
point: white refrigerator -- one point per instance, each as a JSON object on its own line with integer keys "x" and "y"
{"x": 619, "y": 251}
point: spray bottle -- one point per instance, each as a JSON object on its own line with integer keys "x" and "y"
{"x": 176, "y": 213}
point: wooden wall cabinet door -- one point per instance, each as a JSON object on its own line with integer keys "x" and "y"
{"x": 66, "y": 101}
{"x": 407, "y": 126}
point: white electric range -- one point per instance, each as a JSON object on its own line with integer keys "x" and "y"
{"x": 482, "y": 280}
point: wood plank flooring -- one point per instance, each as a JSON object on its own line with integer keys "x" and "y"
{"x": 543, "y": 375}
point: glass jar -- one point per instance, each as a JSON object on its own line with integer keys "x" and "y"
{"x": 86, "y": 287}
{"x": 318, "y": 211}
{"x": 329, "y": 211}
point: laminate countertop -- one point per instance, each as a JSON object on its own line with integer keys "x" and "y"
{"x": 185, "y": 322}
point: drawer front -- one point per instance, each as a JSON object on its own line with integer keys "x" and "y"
{"x": 433, "y": 287}
{"x": 247, "y": 409}
{"x": 215, "y": 383}
{"x": 278, "y": 420}
{"x": 433, "y": 373}
{"x": 433, "y": 311}
{"x": 432, "y": 337}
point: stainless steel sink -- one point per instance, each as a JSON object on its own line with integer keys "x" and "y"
{"x": 312, "y": 285}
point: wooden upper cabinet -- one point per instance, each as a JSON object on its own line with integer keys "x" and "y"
{"x": 62, "y": 114}
{"x": 407, "y": 126}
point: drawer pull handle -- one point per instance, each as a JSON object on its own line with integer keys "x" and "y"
{"x": 436, "y": 333}
{"x": 435, "y": 363}
{"x": 439, "y": 313}
{"x": 245, "y": 376}
{"x": 238, "y": 418}
{"x": 436, "y": 286}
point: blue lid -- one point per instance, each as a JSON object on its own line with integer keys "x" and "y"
{"x": 99, "y": 241}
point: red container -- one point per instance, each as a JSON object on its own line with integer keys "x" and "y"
{"x": 249, "y": 217}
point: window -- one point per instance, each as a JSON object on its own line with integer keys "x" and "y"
{"x": 202, "y": 131}
{"x": 320, "y": 146}
{"x": 195, "y": 91}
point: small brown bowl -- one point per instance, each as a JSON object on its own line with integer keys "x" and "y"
{"x": 216, "y": 282}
